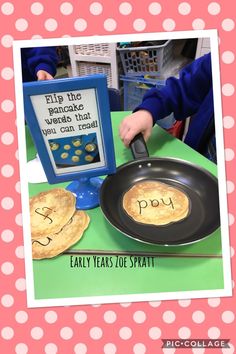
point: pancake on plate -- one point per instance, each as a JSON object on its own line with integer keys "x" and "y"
{"x": 156, "y": 203}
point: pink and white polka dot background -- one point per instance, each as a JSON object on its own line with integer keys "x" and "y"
{"x": 130, "y": 328}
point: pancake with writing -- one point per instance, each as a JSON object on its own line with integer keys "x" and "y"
{"x": 71, "y": 233}
{"x": 50, "y": 211}
{"x": 156, "y": 203}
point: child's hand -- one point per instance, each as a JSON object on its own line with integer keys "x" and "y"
{"x": 138, "y": 122}
{"x": 43, "y": 75}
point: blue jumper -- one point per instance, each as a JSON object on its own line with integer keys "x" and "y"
{"x": 189, "y": 95}
{"x": 35, "y": 59}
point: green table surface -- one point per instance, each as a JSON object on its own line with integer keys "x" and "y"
{"x": 63, "y": 277}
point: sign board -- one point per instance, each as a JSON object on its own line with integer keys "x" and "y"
{"x": 69, "y": 120}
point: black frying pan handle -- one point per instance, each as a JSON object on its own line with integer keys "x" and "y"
{"x": 138, "y": 147}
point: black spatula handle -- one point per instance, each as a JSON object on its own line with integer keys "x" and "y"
{"x": 138, "y": 147}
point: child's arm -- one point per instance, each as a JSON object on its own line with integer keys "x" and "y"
{"x": 181, "y": 96}
{"x": 41, "y": 59}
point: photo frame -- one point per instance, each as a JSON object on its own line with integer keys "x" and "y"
{"x": 174, "y": 296}
{"x": 69, "y": 120}
{"x": 115, "y": 251}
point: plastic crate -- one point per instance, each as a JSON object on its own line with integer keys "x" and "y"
{"x": 99, "y": 49}
{"x": 134, "y": 90}
{"x": 146, "y": 60}
{"x": 88, "y": 68}
{"x": 88, "y": 59}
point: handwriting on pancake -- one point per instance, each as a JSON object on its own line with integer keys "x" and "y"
{"x": 41, "y": 243}
{"x": 154, "y": 203}
{"x": 45, "y": 216}
{"x": 69, "y": 222}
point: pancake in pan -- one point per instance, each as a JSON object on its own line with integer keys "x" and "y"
{"x": 156, "y": 203}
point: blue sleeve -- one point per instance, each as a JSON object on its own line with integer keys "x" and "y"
{"x": 40, "y": 58}
{"x": 182, "y": 96}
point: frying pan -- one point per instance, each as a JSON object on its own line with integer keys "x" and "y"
{"x": 200, "y": 186}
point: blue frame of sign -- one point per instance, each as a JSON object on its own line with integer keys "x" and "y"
{"x": 69, "y": 120}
